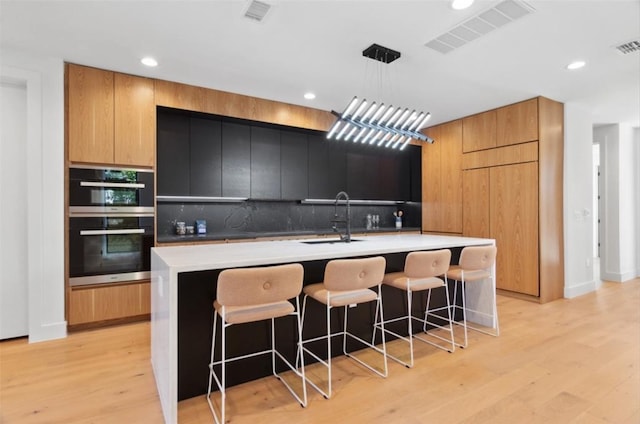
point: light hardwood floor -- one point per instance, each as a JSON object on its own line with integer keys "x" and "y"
{"x": 568, "y": 361}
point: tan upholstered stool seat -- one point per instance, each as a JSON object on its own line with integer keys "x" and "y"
{"x": 339, "y": 298}
{"x": 242, "y": 314}
{"x": 455, "y": 273}
{"x": 400, "y": 281}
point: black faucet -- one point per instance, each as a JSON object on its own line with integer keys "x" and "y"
{"x": 347, "y": 220}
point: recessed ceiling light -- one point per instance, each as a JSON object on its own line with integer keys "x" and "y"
{"x": 576, "y": 65}
{"x": 461, "y": 4}
{"x": 149, "y": 61}
{"x": 309, "y": 96}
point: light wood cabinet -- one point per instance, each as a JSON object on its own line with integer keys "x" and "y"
{"x": 90, "y": 128}
{"x": 517, "y": 123}
{"x": 479, "y": 131}
{"x": 135, "y": 121}
{"x": 475, "y": 203}
{"x": 442, "y": 179}
{"x": 97, "y": 304}
{"x": 513, "y": 194}
{"x": 110, "y": 117}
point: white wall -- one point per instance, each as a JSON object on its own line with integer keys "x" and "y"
{"x": 14, "y": 320}
{"x": 44, "y": 78}
{"x": 578, "y": 199}
{"x": 618, "y": 219}
{"x": 636, "y": 162}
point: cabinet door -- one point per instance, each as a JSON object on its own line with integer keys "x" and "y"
{"x": 135, "y": 121}
{"x": 517, "y": 123}
{"x": 265, "y": 163}
{"x": 172, "y": 171}
{"x": 236, "y": 160}
{"x": 475, "y": 203}
{"x": 514, "y": 225}
{"x": 327, "y": 168}
{"x": 431, "y": 180}
{"x": 479, "y": 131}
{"x": 294, "y": 166}
{"x": 90, "y": 115}
{"x": 442, "y": 179}
{"x": 415, "y": 165}
{"x": 362, "y": 174}
{"x": 206, "y": 157}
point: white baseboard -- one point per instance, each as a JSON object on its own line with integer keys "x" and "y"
{"x": 580, "y": 289}
{"x": 46, "y": 332}
{"x": 618, "y": 277}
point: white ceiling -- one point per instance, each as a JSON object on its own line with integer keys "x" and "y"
{"x": 316, "y": 46}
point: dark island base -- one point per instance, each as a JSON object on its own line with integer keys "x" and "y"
{"x": 196, "y": 292}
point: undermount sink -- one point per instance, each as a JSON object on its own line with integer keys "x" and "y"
{"x": 332, "y": 241}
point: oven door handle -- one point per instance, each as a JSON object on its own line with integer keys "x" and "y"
{"x": 111, "y": 232}
{"x": 110, "y": 185}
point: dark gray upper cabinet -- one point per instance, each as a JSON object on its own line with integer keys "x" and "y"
{"x": 206, "y": 157}
{"x": 236, "y": 160}
{"x": 327, "y": 167}
{"x": 212, "y": 156}
{"x": 415, "y": 163}
{"x": 294, "y": 167}
{"x": 173, "y": 149}
{"x": 265, "y": 163}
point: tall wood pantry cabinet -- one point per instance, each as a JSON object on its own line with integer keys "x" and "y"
{"x": 110, "y": 120}
{"x": 511, "y": 190}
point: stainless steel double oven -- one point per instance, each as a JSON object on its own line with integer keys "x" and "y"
{"x": 111, "y": 225}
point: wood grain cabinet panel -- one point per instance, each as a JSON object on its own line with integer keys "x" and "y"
{"x": 81, "y": 306}
{"x": 513, "y": 194}
{"x": 479, "y": 131}
{"x": 90, "y": 105}
{"x": 135, "y": 121}
{"x": 442, "y": 179}
{"x": 111, "y": 117}
{"x": 97, "y": 304}
{"x": 431, "y": 181}
{"x": 116, "y": 302}
{"x": 517, "y": 123}
{"x": 475, "y": 203}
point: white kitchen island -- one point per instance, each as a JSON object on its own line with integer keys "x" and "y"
{"x": 168, "y": 263}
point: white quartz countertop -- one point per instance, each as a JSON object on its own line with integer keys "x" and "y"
{"x": 233, "y": 255}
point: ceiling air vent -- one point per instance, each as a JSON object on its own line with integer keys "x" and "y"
{"x": 480, "y": 24}
{"x": 629, "y": 47}
{"x": 257, "y": 10}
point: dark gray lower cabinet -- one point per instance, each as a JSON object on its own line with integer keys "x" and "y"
{"x": 265, "y": 163}
{"x": 236, "y": 160}
{"x": 294, "y": 166}
{"x": 206, "y": 157}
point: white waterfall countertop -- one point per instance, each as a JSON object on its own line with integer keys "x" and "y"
{"x": 233, "y": 255}
{"x": 168, "y": 262}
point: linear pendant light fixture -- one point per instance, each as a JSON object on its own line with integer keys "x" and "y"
{"x": 379, "y": 124}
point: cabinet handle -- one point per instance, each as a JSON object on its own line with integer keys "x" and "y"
{"x": 111, "y": 185}
{"x": 110, "y": 232}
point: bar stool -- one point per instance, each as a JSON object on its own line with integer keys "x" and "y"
{"x": 422, "y": 271}
{"x": 247, "y": 295}
{"x": 347, "y": 283}
{"x": 476, "y": 264}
